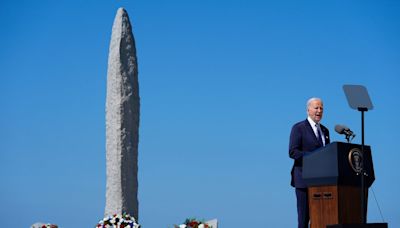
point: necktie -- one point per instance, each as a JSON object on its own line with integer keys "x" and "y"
{"x": 319, "y": 134}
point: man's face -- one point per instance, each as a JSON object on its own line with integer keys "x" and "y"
{"x": 315, "y": 110}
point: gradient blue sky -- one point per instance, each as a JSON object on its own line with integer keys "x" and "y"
{"x": 221, "y": 84}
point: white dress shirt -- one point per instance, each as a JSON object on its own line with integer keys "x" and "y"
{"x": 315, "y": 127}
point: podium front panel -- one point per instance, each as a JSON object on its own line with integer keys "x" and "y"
{"x": 331, "y": 165}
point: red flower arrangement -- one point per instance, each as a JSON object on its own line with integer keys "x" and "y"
{"x": 193, "y": 223}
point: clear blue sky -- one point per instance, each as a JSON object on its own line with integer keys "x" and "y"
{"x": 221, "y": 84}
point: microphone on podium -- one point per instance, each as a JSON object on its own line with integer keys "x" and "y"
{"x": 344, "y": 130}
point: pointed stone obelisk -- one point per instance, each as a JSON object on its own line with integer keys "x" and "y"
{"x": 122, "y": 120}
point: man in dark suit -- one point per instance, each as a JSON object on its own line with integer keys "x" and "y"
{"x": 306, "y": 136}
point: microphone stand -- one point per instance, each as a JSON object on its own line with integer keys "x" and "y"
{"x": 348, "y": 138}
{"x": 362, "y": 172}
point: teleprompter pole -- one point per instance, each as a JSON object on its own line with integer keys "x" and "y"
{"x": 362, "y": 172}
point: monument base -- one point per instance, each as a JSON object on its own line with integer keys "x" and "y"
{"x": 368, "y": 225}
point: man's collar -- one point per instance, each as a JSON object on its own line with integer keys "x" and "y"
{"x": 312, "y": 123}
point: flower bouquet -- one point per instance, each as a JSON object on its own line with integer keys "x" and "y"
{"x": 118, "y": 221}
{"x": 193, "y": 223}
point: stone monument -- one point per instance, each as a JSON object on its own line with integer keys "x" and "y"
{"x": 213, "y": 223}
{"x": 122, "y": 120}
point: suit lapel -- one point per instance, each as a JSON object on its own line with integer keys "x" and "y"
{"x": 326, "y": 135}
{"x": 311, "y": 131}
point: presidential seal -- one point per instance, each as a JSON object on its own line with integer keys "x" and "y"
{"x": 356, "y": 160}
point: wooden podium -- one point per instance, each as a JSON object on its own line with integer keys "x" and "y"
{"x": 334, "y": 183}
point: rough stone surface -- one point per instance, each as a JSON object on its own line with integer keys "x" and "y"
{"x": 213, "y": 223}
{"x": 122, "y": 120}
{"x": 40, "y": 225}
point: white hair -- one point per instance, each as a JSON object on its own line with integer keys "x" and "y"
{"x": 313, "y": 99}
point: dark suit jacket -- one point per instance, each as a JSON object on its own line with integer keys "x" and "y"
{"x": 303, "y": 140}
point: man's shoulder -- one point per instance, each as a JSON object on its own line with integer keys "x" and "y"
{"x": 300, "y": 124}
{"x": 325, "y": 128}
